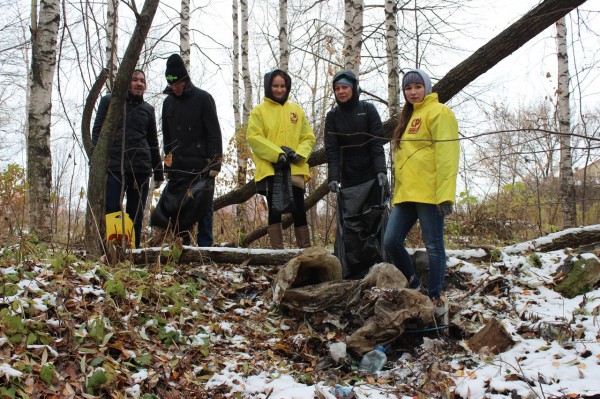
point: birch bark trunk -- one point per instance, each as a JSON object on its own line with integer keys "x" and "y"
{"x": 284, "y": 50}
{"x": 184, "y": 33}
{"x": 567, "y": 185}
{"x": 112, "y": 36}
{"x": 44, "y": 33}
{"x": 391, "y": 37}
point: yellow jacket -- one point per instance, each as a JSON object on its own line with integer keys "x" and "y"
{"x": 425, "y": 164}
{"x": 272, "y": 125}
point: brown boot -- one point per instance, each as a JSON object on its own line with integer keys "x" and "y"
{"x": 275, "y": 232}
{"x": 302, "y": 236}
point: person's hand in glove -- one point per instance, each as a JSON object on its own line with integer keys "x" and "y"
{"x": 334, "y": 186}
{"x": 382, "y": 179}
{"x": 291, "y": 155}
{"x": 282, "y": 161}
{"x": 445, "y": 208}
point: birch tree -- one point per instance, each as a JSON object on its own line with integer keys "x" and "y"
{"x": 567, "y": 186}
{"x": 391, "y": 38}
{"x": 245, "y": 63}
{"x": 44, "y": 32}
{"x": 236, "y": 63}
{"x": 112, "y": 37}
{"x": 284, "y": 49}
{"x": 184, "y": 33}
{"x": 353, "y": 27}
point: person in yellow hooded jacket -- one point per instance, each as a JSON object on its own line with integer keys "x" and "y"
{"x": 281, "y": 138}
{"x": 426, "y": 153}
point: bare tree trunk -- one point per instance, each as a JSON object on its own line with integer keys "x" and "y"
{"x": 243, "y": 151}
{"x": 39, "y": 157}
{"x": 391, "y": 37}
{"x": 284, "y": 48}
{"x": 95, "y": 223}
{"x": 236, "y": 64}
{"x": 567, "y": 186}
{"x": 246, "y": 63}
{"x": 184, "y": 33}
{"x": 357, "y": 30}
{"x": 112, "y": 37}
{"x": 348, "y": 51}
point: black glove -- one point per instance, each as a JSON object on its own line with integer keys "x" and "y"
{"x": 445, "y": 208}
{"x": 334, "y": 186}
{"x": 281, "y": 162}
{"x": 291, "y": 155}
{"x": 382, "y": 179}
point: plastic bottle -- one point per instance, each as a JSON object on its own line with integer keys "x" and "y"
{"x": 373, "y": 361}
{"x": 342, "y": 392}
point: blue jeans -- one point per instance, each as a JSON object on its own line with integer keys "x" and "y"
{"x": 136, "y": 191}
{"x": 403, "y": 218}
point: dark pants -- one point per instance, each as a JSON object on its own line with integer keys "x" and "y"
{"x": 299, "y": 214}
{"x": 204, "y": 235}
{"x": 136, "y": 191}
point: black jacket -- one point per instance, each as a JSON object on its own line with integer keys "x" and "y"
{"x": 191, "y": 131}
{"x": 354, "y": 139}
{"x": 142, "y": 154}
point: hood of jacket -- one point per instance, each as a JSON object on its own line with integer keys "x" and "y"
{"x": 269, "y": 80}
{"x": 351, "y": 76}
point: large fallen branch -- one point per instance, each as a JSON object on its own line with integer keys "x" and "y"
{"x": 570, "y": 238}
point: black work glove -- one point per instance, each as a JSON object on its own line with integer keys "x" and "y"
{"x": 281, "y": 162}
{"x": 445, "y": 208}
{"x": 382, "y": 179}
{"x": 291, "y": 155}
{"x": 334, "y": 186}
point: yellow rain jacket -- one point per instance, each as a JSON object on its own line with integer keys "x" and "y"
{"x": 272, "y": 125}
{"x": 425, "y": 164}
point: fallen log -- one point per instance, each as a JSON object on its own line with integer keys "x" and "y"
{"x": 202, "y": 255}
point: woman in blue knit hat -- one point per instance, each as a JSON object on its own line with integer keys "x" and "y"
{"x": 426, "y": 152}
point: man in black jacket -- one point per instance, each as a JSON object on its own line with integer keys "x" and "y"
{"x": 355, "y": 156}
{"x": 192, "y": 139}
{"x": 138, "y": 148}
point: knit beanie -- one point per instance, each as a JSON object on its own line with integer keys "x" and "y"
{"x": 175, "y": 69}
{"x": 417, "y": 76}
{"x": 344, "y": 81}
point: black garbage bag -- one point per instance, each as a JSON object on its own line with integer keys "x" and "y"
{"x": 183, "y": 202}
{"x": 283, "y": 197}
{"x": 362, "y": 215}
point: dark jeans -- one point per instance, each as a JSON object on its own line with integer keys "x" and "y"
{"x": 204, "y": 237}
{"x": 403, "y": 218}
{"x": 299, "y": 214}
{"x": 136, "y": 192}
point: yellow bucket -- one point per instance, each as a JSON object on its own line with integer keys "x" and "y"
{"x": 114, "y": 228}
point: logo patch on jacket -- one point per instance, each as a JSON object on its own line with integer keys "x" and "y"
{"x": 293, "y": 117}
{"x": 414, "y": 126}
